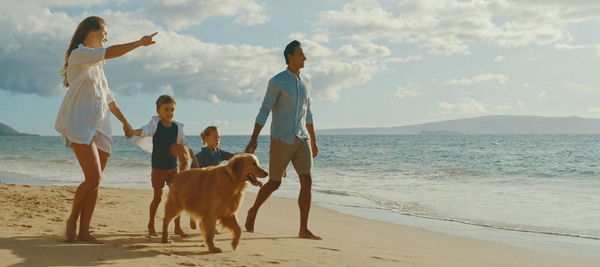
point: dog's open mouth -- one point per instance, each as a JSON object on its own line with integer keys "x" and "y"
{"x": 253, "y": 180}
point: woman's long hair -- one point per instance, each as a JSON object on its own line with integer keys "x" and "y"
{"x": 89, "y": 24}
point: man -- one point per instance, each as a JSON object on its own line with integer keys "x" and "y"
{"x": 292, "y": 135}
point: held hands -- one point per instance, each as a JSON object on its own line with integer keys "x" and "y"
{"x": 128, "y": 130}
{"x": 147, "y": 40}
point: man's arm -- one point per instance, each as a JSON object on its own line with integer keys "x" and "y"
{"x": 313, "y": 139}
{"x": 254, "y": 139}
{"x": 261, "y": 119}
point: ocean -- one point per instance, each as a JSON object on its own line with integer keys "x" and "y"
{"x": 541, "y": 184}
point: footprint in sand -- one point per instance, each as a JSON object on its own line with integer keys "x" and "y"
{"x": 186, "y": 264}
{"x": 332, "y": 249}
{"x": 380, "y": 258}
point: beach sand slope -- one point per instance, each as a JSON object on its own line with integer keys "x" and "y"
{"x": 32, "y": 222}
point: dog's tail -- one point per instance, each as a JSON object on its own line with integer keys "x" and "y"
{"x": 183, "y": 153}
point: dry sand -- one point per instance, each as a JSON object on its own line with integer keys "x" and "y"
{"x": 32, "y": 222}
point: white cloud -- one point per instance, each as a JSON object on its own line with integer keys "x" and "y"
{"x": 333, "y": 76}
{"x": 320, "y": 35}
{"x": 543, "y": 96}
{"x": 409, "y": 90}
{"x": 448, "y": 26}
{"x": 35, "y": 39}
{"x": 521, "y": 104}
{"x": 406, "y": 59}
{"x": 501, "y": 79}
{"x": 580, "y": 87}
{"x": 467, "y": 105}
{"x": 182, "y": 14}
{"x": 597, "y": 49}
{"x": 333, "y": 70}
{"x": 594, "y": 110}
{"x": 499, "y": 59}
{"x": 570, "y": 47}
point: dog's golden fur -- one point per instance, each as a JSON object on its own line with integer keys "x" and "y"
{"x": 211, "y": 194}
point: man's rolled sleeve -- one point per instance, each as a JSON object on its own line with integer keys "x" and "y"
{"x": 309, "y": 115}
{"x": 267, "y": 105}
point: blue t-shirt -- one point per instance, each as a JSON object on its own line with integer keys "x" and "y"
{"x": 163, "y": 139}
{"x": 206, "y": 158}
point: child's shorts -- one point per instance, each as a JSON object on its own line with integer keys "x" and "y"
{"x": 162, "y": 177}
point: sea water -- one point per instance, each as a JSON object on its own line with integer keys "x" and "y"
{"x": 547, "y": 184}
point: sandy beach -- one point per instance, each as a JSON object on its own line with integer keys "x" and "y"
{"x": 33, "y": 218}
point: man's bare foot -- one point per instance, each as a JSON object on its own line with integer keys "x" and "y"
{"x": 250, "y": 217}
{"x": 308, "y": 235}
{"x": 181, "y": 233}
{"x": 88, "y": 238}
{"x": 71, "y": 230}
{"x": 168, "y": 240}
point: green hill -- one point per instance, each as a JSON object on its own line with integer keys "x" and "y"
{"x": 6, "y": 130}
{"x": 494, "y": 124}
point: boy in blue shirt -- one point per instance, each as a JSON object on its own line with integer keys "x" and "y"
{"x": 164, "y": 132}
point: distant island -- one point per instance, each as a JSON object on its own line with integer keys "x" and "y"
{"x": 493, "y": 124}
{"x": 439, "y": 132}
{"x": 6, "y": 130}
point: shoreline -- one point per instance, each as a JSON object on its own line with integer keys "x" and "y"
{"x": 564, "y": 245}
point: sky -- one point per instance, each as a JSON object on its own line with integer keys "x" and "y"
{"x": 372, "y": 63}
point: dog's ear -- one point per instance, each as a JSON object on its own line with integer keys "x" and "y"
{"x": 238, "y": 164}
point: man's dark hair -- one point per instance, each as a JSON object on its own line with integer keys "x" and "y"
{"x": 290, "y": 49}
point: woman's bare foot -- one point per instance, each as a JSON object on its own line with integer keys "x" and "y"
{"x": 250, "y": 217}
{"x": 181, "y": 233}
{"x": 88, "y": 238}
{"x": 71, "y": 231}
{"x": 307, "y": 234}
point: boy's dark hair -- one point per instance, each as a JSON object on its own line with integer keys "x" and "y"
{"x": 165, "y": 99}
{"x": 290, "y": 49}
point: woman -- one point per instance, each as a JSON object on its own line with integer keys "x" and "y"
{"x": 83, "y": 119}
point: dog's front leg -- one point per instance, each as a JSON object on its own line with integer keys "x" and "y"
{"x": 232, "y": 224}
{"x": 172, "y": 210}
{"x": 208, "y": 230}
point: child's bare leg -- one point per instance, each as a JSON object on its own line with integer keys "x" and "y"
{"x": 178, "y": 230}
{"x": 153, "y": 208}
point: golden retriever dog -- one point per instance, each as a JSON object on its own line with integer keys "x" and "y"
{"x": 211, "y": 194}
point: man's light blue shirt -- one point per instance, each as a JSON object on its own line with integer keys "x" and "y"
{"x": 288, "y": 96}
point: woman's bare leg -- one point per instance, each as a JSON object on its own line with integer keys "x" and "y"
{"x": 89, "y": 160}
{"x": 89, "y": 206}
